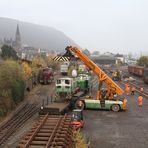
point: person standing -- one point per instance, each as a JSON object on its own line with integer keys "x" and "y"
{"x": 141, "y": 89}
{"x": 127, "y": 89}
{"x": 133, "y": 90}
{"x": 140, "y": 100}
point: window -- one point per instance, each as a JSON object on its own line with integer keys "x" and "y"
{"x": 58, "y": 81}
{"x": 67, "y": 81}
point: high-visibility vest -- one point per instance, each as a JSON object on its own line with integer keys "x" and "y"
{"x": 140, "y": 99}
{"x": 141, "y": 89}
{"x": 127, "y": 89}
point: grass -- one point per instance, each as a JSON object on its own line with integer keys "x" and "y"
{"x": 80, "y": 140}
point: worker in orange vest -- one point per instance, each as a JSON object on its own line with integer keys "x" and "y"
{"x": 127, "y": 84}
{"x": 141, "y": 89}
{"x": 133, "y": 90}
{"x": 127, "y": 89}
{"x": 140, "y": 100}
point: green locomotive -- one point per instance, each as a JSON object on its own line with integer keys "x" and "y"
{"x": 66, "y": 87}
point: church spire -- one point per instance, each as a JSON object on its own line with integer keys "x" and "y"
{"x": 17, "y": 39}
{"x": 17, "y": 35}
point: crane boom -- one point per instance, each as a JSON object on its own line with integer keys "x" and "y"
{"x": 112, "y": 87}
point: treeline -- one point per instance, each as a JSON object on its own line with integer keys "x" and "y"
{"x": 143, "y": 61}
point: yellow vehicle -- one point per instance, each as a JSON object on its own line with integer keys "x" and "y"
{"x": 116, "y": 75}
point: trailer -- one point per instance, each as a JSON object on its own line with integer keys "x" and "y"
{"x": 55, "y": 108}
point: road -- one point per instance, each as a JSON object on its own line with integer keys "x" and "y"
{"x": 129, "y": 129}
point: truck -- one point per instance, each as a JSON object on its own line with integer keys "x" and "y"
{"x": 112, "y": 97}
{"x": 46, "y": 75}
{"x": 116, "y": 75}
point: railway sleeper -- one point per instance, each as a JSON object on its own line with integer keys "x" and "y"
{"x": 62, "y": 140}
{"x": 45, "y": 130}
{"x": 58, "y": 144}
{"x": 41, "y": 138}
{"x": 36, "y": 146}
{"x": 48, "y": 127}
{"x": 66, "y": 137}
{"x": 43, "y": 134}
{"x": 50, "y": 123}
{"x": 40, "y": 142}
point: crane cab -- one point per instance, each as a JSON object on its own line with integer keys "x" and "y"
{"x": 77, "y": 119}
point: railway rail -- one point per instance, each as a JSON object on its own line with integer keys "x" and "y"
{"x": 18, "y": 119}
{"x": 49, "y": 131}
{"x": 144, "y": 93}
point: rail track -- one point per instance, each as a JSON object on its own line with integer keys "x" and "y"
{"x": 18, "y": 119}
{"x": 144, "y": 93}
{"x": 49, "y": 131}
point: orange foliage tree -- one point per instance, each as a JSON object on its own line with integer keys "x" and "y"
{"x": 26, "y": 70}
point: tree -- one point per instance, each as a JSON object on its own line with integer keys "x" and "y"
{"x": 12, "y": 85}
{"x": 26, "y": 71}
{"x": 9, "y": 52}
{"x": 143, "y": 61}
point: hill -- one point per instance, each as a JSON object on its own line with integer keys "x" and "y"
{"x": 35, "y": 35}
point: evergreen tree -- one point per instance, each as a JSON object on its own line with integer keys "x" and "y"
{"x": 9, "y": 52}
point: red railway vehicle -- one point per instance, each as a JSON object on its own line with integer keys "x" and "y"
{"x": 136, "y": 70}
{"x": 46, "y": 75}
{"x": 145, "y": 76}
{"x": 139, "y": 71}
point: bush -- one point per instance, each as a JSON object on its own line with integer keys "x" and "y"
{"x": 17, "y": 90}
{"x": 79, "y": 140}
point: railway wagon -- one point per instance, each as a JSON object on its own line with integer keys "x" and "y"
{"x": 136, "y": 70}
{"x": 46, "y": 75}
{"x": 145, "y": 75}
{"x": 139, "y": 71}
{"x": 65, "y": 86}
{"x": 83, "y": 82}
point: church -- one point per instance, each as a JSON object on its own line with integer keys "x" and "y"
{"x": 16, "y": 44}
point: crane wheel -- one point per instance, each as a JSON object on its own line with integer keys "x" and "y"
{"x": 80, "y": 104}
{"x": 115, "y": 108}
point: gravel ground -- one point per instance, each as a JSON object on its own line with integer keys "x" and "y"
{"x": 129, "y": 129}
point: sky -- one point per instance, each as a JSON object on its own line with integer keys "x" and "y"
{"x": 103, "y": 25}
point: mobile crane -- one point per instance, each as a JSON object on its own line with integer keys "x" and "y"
{"x": 110, "y": 98}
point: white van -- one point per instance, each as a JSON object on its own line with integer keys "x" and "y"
{"x": 64, "y": 69}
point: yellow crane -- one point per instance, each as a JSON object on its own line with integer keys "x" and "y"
{"x": 111, "y": 98}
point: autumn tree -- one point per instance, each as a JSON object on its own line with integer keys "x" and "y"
{"x": 12, "y": 85}
{"x": 51, "y": 63}
{"x": 26, "y": 71}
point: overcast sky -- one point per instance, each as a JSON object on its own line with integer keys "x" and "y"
{"x": 103, "y": 25}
